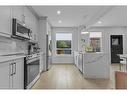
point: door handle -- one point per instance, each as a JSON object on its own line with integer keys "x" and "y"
{"x": 14, "y": 68}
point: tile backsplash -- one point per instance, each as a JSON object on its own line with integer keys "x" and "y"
{"x": 12, "y": 45}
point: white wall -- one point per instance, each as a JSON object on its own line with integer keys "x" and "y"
{"x": 106, "y": 32}
{"x": 65, "y": 58}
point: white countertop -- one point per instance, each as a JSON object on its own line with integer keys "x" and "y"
{"x": 89, "y": 52}
{"x": 9, "y": 58}
{"x": 122, "y": 55}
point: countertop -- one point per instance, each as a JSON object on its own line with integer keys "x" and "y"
{"x": 81, "y": 52}
{"x": 9, "y": 58}
{"x": 6, "y": 56}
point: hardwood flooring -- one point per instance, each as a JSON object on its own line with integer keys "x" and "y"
{"x": 69, "y": 77}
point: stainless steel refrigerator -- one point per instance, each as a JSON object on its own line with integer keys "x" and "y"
{"x": 48, "y": 52}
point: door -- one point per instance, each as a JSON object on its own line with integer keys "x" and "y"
{"x": 18, "y": 74}
{"x": 4, "y": 75}
{"x": 116, "y": 47}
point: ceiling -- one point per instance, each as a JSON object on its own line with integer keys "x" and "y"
{"x": 117, "y": 16}
{"x": 72, "y": 16}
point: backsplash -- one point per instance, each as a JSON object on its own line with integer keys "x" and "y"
{"x": 12, "y": 45}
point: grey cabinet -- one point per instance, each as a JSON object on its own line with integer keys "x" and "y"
{"x": 12, "y": 74}
{"x": 32, "y": 22}
{"x": 18, "y": 12}
{"x": 80, "y": 62}
{"x": 18, "y": 74}
{"x": 5, "y": 75}
{"x": 5, "y": 19}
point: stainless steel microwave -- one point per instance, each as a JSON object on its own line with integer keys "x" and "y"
{"x": 20, "y": 30}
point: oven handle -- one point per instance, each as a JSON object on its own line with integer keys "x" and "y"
{"x": 31, "y": 60}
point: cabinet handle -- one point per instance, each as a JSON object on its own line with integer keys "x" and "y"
{"x": 11, "y": 68}
{"x": 14, "y": 68}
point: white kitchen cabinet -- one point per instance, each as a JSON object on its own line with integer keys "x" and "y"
{"x": 34, "y": 26}
{"x": 76, "y": 58}
{"x": 18, "y": 76}
{"x": 12, "y": 74}
{"x": 18, "y": 12}
{"x": 80, "y": 62}
{"x": 32, "y": 22}
{"x": 5, "y": 75}
{"x": 28, "y": 17}
{"x": 5, "y": 19}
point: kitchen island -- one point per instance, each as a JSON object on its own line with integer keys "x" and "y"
{"x": 93, "y": 65}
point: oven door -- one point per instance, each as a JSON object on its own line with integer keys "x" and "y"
{"x": 32, "y": 71}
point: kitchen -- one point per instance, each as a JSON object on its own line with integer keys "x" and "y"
{"x": 37, "y": 40}
{"x": 20, "y": 52}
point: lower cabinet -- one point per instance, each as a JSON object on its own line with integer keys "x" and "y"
{"x": 78, "y": 60}
{"x": 18, "y": 74}
{"x": 12, "y": 74}
{"x": 5, "y": 75}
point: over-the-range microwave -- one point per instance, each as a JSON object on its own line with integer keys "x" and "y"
{"x": 20, "y": 30}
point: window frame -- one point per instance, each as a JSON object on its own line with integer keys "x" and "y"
{"x": 71, "y": 44}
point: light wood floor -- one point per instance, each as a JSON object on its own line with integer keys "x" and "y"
{"x": 69, "y": 77}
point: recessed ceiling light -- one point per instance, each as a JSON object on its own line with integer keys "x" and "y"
{"x": 58, "y": 12}
{"x": 99, "y": 22}
{"x": 59, "y": 21}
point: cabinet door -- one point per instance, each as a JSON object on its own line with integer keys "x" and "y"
{"x": 18, "y": 77}
{"x": 4, "y": 75}
{"x": 28, "y": 18}
{"x": 17, "y": 12}
{"x": 80, "y": 62}
{"x": 5, "y": 19}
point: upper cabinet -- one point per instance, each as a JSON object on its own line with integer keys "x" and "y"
{"x": 23, "y": 14}
{"x": 28, "y": 17}
{"x": 17, "y": 12}
{"x": 32, "y": 22}
{"x": 5, "y": 19}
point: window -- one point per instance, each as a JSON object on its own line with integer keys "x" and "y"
{"x": 95, "y": 41}
{"x": 63, "y": 43}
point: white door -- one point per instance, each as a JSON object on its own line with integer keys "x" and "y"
{"x": 18, "y": 76}
{"x": 4, "y": 75}
{"x": 5, "y": 19}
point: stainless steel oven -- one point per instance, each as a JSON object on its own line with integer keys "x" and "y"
{"x": 32, "y": 65}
